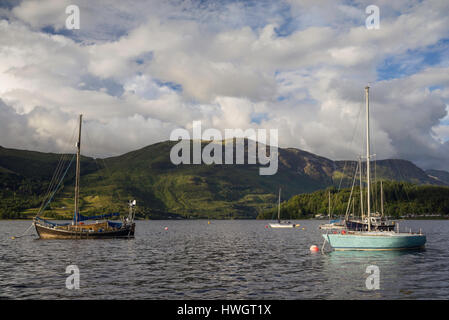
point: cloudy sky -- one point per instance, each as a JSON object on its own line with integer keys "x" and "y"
{"x": 137, "y": 70}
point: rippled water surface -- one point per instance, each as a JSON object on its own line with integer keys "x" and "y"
{"x": 239, "y": 259}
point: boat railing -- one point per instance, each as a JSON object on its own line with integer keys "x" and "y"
{"x": 45, "y": 223}
{"x": 398, "y": 230}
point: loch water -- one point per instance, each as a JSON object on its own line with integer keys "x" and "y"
{"x": 226, "y": 259}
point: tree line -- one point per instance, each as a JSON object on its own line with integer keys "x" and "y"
{"x": 399, "y": 199}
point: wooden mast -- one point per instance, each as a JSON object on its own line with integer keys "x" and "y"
{"x": 77, "y": 179}
{"x": 368, "y": 159}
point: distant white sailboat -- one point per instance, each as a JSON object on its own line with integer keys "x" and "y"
{"x": 333, "y": 224}
{"x": 282, "y": 224}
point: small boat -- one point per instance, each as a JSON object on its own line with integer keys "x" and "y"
{"x": 374, "y": 237}
{"x": 282, "y": 224}
{"x": 333, "y": 224}
{"x": 377, "y": 221}
{"x": 78, "y": 228}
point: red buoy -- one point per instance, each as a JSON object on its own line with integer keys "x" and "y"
{"x": 314, "y": 248}
{"x": 343, "y": 232}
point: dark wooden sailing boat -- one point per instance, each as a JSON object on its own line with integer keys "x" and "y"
{"x": 79, "y": 229}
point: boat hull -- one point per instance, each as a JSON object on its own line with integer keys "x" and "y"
{"x": 375, "y": 241}
{"x": 282, "y": 225}
{"x": 45, "y": 232}
{"x": 331, "y": 226}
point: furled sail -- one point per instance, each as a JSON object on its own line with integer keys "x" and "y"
{"x": 103, "y": 216}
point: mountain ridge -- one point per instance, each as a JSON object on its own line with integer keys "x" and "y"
{"x": 167, "y": 190}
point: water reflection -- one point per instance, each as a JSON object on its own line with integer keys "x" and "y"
{"x": 382, "y": 255}
{"x": 349, "y": 269}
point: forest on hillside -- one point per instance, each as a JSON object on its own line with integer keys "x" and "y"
{"x": 400, "y": 199}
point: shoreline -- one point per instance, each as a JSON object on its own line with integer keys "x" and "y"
{"x": 178, "y": 219}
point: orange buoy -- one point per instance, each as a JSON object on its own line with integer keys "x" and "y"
{"x": 343, "y": 232}
{"x": 314, "y": 248}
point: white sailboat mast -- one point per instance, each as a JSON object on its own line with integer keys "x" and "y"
{"x": 368, "y": 158}
{"x": 77, "y": 179}
{"x": 279, "y": 206}
{"x": 361, "y": 191}
{"x": 381, "y": 199}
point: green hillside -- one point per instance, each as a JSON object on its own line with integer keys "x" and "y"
{"x": 37, "y": 164}
{"x": 164, "y": 190}
{"x": 221, "y": 191}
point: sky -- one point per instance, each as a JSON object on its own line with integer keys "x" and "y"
{"x": 137, "y": 70}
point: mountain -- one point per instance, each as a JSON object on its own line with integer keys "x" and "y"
{"x": 439, "y": 175}
{"x": 394, "y": 169}
{"x": 33, "y": 164}
{"x": 163, "y": 189}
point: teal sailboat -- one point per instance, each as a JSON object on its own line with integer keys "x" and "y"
{"x": 373, "y": 238}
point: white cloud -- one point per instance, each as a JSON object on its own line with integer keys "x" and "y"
{"x": 138, "y": 71}
{"x": 42, "y": 13}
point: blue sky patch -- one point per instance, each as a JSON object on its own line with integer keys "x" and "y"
{"x": 259, "y": 117}
{"x": 173, "y": 86}
{"x": 144, "y": 57}
{"x": 112, "y": 87}
{"x": 413, "y": 61}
